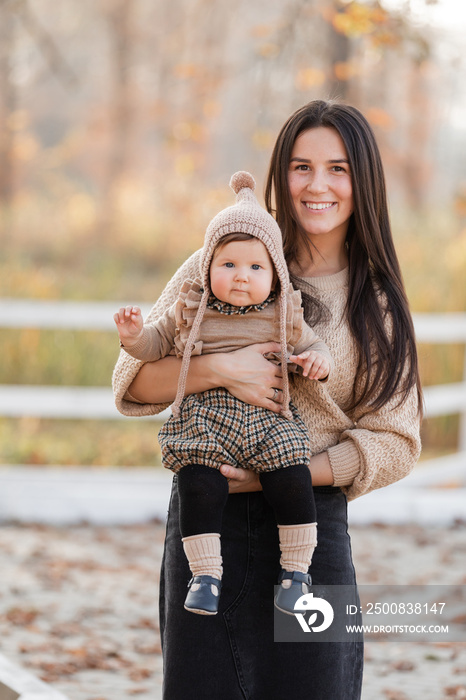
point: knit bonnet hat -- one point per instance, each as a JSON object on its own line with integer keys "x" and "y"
{"x": 246, "y": 216}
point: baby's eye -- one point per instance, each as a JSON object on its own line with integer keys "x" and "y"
{"x": 256, "y": 267}
{"x": 229, "y": 264}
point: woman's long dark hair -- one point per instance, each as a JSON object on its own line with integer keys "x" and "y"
{"x": 387, "y": 362}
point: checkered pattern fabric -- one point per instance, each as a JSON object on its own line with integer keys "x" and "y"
{"x": 215, "y": 428}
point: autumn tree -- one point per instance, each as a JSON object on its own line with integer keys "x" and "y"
{"x": 8, "y": 101}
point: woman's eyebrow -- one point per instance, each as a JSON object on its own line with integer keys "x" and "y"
{"x": 297, "y": 159}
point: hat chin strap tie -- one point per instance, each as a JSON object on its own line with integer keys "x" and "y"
{"x": 284, "y": 350}
{"x": 187, "y": 353}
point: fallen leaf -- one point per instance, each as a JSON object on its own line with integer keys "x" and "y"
{"x": 21, "y": 617}
{"x": 394, "y": 694}
{"x": 403, "y": 665}
{"x": 140, "y": 674}
{"x": 455, "y": 691}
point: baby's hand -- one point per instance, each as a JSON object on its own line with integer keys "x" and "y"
{"x": 315, "y": 365}
{"x": 129, "y": 324}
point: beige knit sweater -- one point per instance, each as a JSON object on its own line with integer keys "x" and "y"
{"x": 366, "y": 450}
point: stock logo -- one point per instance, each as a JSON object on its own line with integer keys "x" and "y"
{"x": 307, "y": 604}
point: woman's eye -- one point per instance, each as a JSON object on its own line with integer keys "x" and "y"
{"x": 338, "y": 169}
{"x": 299, "y": 167}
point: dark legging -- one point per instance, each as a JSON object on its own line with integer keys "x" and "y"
{"x": 203, "y": 493}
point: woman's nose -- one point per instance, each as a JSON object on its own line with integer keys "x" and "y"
{"x": 317, "y": 182}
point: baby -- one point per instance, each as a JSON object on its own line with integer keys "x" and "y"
{"x": 243, "y": 296}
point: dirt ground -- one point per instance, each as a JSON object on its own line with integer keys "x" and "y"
{"x": 78, "y": 607}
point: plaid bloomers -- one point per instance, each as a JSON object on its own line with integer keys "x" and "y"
{"x": 215, "y": 428}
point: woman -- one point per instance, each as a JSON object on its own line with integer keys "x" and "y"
{"x": 328, "y": 185}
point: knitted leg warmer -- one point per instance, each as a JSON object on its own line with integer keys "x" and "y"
{"x": 204, "y": 554}
{"x": 297, "y": 544}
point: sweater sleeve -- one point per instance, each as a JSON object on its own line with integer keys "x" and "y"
{"x": 382, "y": 448}
{"x": 127, "y": 367}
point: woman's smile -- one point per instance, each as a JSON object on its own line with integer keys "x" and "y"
{"x": 319, "y": 206}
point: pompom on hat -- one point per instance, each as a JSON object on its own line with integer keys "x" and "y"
{"x": 245, "y": 216}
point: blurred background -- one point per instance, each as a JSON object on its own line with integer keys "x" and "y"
{"x": 121, "y": 122}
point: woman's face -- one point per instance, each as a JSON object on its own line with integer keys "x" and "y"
{"x": 320, "y": 184}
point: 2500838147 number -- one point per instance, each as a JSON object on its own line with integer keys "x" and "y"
{"x": 404, "y": 608}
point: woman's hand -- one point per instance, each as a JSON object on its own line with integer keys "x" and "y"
{"x": 245, "y": 480}
{"x": 241, "y": 480}
{"x": 247, "y": 375}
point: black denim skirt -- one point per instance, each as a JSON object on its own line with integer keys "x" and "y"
{"x": 232, "y": 655}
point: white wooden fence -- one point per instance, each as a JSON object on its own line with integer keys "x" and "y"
{"x": 97, "y": 402}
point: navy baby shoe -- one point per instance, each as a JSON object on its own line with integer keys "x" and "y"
{"x": 203, "y": 595}
{"x": 293, "y": 584}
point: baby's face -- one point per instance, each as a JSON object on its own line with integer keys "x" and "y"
{"x": 241, "y": 273}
